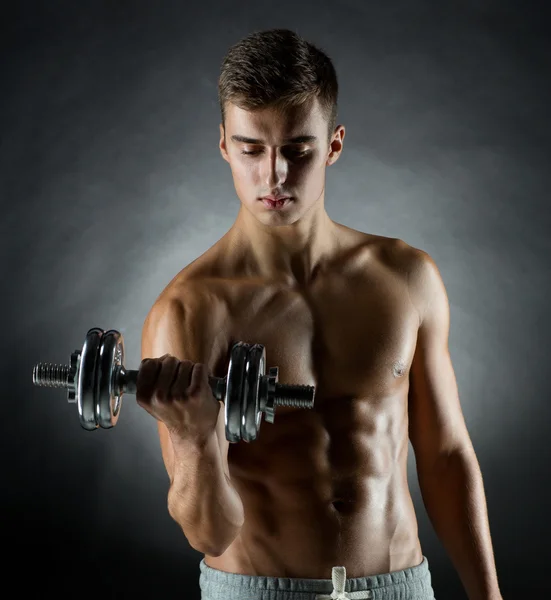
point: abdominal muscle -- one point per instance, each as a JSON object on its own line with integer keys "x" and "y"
{"x": 302, "y": 518}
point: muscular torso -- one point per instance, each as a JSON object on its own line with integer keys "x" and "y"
{"x": 326, "y": 486}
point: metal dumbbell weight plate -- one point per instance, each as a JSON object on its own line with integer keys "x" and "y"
{"x": 255, "y": 368}
{"x": 108, "y": 395}
{"x": 86, "y": 382}
{"x": 235, "y": 383}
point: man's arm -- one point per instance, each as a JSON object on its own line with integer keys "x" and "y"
{"x": 449, "y": 475}
{"x": 201, "y": 497}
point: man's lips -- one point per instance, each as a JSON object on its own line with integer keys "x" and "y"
{"x": 275, "y": 198}
{"x": 276, "y": 204}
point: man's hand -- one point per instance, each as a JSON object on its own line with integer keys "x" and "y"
{"x": 178, "y": 394}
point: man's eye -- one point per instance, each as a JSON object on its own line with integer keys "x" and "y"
{"x": 298, "y": 153}
{"x": 295, "y": 153}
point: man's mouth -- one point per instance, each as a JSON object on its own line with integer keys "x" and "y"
{"x": 274, "y": 198}
{"x": 271, "y": 202}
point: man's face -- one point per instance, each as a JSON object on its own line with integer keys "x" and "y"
{"x": 278, "y": 153}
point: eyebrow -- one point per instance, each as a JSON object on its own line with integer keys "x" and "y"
{"x": 301, "y": 139}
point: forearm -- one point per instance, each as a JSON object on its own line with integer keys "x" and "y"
{"x": 202, "y": 500}
{"x": 453, "y": 494}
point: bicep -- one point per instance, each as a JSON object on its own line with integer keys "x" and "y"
{"x": 183, "y": 328}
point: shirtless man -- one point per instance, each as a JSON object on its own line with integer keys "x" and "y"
{"x": 321, "y": 494}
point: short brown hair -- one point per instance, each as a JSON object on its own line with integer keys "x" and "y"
{"x": 277, "y": 68}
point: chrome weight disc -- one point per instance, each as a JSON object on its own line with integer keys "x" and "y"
{"x": 251, "y": 413}
{"x": 108, "y": 397}
{"x": 87, "y": 380}
{"x": 234, "y": 391}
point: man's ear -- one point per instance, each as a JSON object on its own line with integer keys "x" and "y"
{"x": 222, "y": 144}
{"x": 336, "y": 145}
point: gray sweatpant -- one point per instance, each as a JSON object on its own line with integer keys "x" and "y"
{"x": 410, "y": 584}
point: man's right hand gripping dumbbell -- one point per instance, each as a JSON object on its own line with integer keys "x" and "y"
{"x": 177, "y": 392}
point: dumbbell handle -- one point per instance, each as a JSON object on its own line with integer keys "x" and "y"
{"x": 60, "y": 376}
{"x": 127, "y": 382}
{"x": 299, "y": 396}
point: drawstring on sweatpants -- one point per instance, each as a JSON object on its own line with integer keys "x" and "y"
{"x": 339, "y": 583}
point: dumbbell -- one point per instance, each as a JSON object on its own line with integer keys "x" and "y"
{"x": 96, "y": 380}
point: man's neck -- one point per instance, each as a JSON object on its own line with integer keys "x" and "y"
{"x": 290, "y": 254}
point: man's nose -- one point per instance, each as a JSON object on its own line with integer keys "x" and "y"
{"x": 275, "y": 169}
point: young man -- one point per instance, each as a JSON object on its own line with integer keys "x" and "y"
{"x": 321, "y": 494}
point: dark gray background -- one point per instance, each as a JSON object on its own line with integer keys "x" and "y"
{"x": 111, "y": 182}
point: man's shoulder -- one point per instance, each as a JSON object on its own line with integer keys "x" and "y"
{"x": 190, "y": 311}
{"x": 411, "y": 258}
{"x": 412, "y": 265}
{"x": 418, "y": 270}
{"x": 396, "y": 253}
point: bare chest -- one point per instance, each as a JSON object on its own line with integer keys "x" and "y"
{"x": 352, "y": 337}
